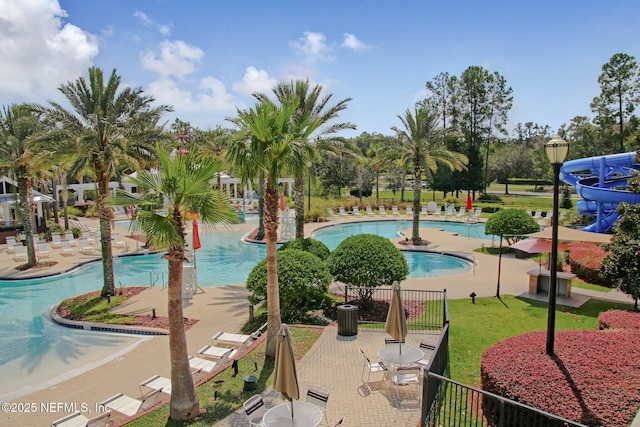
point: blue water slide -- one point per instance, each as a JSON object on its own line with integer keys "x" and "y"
{"x": 601, "y": 182}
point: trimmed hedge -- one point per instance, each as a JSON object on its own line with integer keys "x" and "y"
{"x": 585, "y": 260}
{"x": 312, "y": 246}
{"x": 594, "y": 378}
{"x": 619, "y": 319}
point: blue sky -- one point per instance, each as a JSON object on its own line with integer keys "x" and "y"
{"x": 206, "y": 57}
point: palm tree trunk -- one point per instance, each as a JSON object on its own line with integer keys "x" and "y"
{"x": 298, "y": 187}
{"x": 184, "y": 404}
{"x": 25, "y": 212}
{"x": 273, "y": 293}
{"x": 104, "y": 214}
{"x": 260, "y": 192}
{"x": 417, "y": 189}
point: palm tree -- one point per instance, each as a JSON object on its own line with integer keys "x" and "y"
{"x": 186, "y": 183}
{"x": 272, "y": 150}
{"x": 420, "y": 144}
{"x": 312, "y": 111}
{"x": 17, "y": 124}
{"x": 107, "y": 129}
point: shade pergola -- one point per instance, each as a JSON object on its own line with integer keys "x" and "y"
{"x": 572, "y": 235}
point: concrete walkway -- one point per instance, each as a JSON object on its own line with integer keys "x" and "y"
{"x": 333, "y": 362}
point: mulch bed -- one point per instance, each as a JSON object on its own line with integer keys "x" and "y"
{"x": 145, "y": 320}
{"x": 376, "y": 310}
{"x": 41, "y": 264}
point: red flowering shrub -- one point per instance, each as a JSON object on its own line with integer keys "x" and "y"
{"x": 585, "y": 260}
{"x": 594, "y": 378}
{"x": 619, "y": 319}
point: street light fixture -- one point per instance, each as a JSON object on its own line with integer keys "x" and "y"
{"x": 556, "y": 149}
{"x": 309, "y": 201}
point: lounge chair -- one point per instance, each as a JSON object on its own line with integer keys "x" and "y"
{"x": 548, "y": 215}
{"x": 227, "y": 337}
{"x": 342, "y": 212}
{"x": 43, "y": 251}
{"x": 254, "y": 409}
{"x": 11, "y": 242}
{"x": 117, "y": 241}
{"x": 68, "y": 235}
{"x": 156, "y": 382}
{"x": 128, "y": 405}
{"x": 370, "y": 367}
{"x": 369, "y": 210}
{"x": 66, "y": 248}
{"x": 258, "y": 332}
{"x": 318, "y": 396}
{"x": 217, "y": 352}
{"x": 529, "y": 211}
{"x": 199, "y": 364}
{"x": 77, "y": 419}
{"x": 85, "y": 247}
{"x": 19, "y": 253}
{"x": 394, "y": 210}
{"x": 356, "y": 210}
{"x": 461, "y": 212}
{"x": 382, "y": 210}
{"x": 56, "y": 241}
{"x": 537, "y": 215}
{"x": 438, "y": 211}
{"x": 424, "y": 210}
{"x": 476, "y": 215}
{"x": 409, "y": 210}
{"x": 330, "y": 212}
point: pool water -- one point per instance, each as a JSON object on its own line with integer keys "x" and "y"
{"x": 35, "y": 351}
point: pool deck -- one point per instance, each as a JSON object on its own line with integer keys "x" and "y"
{"x": 333, "y": 362}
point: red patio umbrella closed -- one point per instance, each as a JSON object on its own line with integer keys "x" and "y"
{"x": 469, "y": 203}
{"x": 195, "y": 235}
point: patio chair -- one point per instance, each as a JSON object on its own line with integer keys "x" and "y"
{"x": 394, "y": 210}
{"x": 198, "y": 364}
{"x": 529, "y": 211}
{"x": 438, "y": 211}
{"x": 537, "y": 215}
{"x": 19, "y": 253}
{"x": 369, "y": 210}
{"x": 258, "y": 332}
{"x": 217, "y": 353}
{"x": 68, "y": 235}
{"x": 254, "y": 409}
{"x": 43, "y": 251}
{"x": 117, "y": 241}
{"x": 85, "y": 247}
{"x": 66, "y": 248}
{"x": 130, "y": 406}
{"x": 78, "y": 419}
{"x": 56, "y": 241}
{"x": 461, "y": 212}
{"x": 318, "y": 396}
{"x": 227, "y": 337}
{"x": 390, "y": 340}
{"x": 156, "y": 382}
{"x": 426, "y": 346}
{"x": 11, "y": 242}
{"x": 475, "y": 217}
{"x": 382, "y": 210}
{"x": 340, "y": 423}
{"x": 409, "y": 210}
{"x": 356, "y": 210}
{"x": 342, "y": 212}
{"x": 330, "y": 212}
{"x": 406, "y": 376}
{"x": 371, "y": 367}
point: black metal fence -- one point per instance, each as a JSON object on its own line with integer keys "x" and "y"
{"x": 454, "y": 404}
{"x": 427, "y": 309}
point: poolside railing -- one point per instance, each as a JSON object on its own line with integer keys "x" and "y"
{"x": 427, "y": 310}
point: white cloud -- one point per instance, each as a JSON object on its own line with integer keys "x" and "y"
{"x": 254, "y": 80}
{"x": 314, "y": 46}
{"x": 352, "y": 42}
{"x": 165, "y": 30}
{"x": 38, "y": 52}
{"x": 177, "y": 58}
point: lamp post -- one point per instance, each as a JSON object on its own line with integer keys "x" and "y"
{"x": 309, "y": 198}
{"x": 556, "y": 150}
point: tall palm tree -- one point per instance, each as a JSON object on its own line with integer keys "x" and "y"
{"x": 273, "y": 150}
{"x": 18, "y": 123}
{"x": 186, "y": 183}
{"x": 109, "y": 128}
{"x": 312, "y": 112}
{"x": 420, "y": 143}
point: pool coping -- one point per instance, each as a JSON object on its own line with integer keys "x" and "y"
{"x": 102, "y": 327}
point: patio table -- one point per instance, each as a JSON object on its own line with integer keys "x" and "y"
{"x": 391, "y": 354}
{"x": 304, "y": 415}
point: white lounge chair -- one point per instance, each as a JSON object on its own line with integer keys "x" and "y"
{"x": 529, "y": 211}
{"x": 342, "y": 212}
{"x": 356, "y": 210}
{"x": 369, "y": 210}
{"x": 330, "y": 212}
{"x": 227, "y": 337}
{"x": 476, "y": 215}
{"x": 128, "y": 405}
{"x": 382, "y": 210}
{"x": 117, "y": 241}
{"x": 424, "y": 210}
{"x": 56, "y": 241}
{"x": 77, "y": 419}
{"x": 11, "y": 242}
{"x": 199, "y": 364}
{"x": 409, "y": 210}
{"x": 438, "y": 211}
{"x": 19, "y": 253}
{"x": 66, "y": 248}
{"x": 85, "y": 247}
{"x": 394, "y": 210}
{"x": 537, "y": 215}
{"x": 461, "y": 212}
{"x": 217, "y": 352}
{"x": 43, "y": 251}
{"x": 68, "y": 235}
{"x": 156, "y": 382}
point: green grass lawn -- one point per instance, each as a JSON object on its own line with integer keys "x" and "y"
{"x": 476, "y": 327}
{"x": 229, "y": 388}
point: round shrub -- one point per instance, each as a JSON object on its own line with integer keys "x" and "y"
{"x": 303, "y": 281}
{"x": 619, "y": 319}
{"x": 367, "y": 260}
{"x": 313, "y": 246}
{"x": 511, "y": 223}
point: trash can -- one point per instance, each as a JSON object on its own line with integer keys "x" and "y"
{"x": 347, "y": 320}
{"x": 250, "y": 383}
